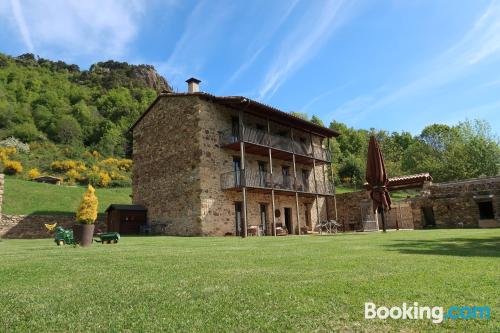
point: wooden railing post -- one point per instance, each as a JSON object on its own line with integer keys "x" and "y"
{"x": 273, "y": 207}
{"x": 244, "y": 188}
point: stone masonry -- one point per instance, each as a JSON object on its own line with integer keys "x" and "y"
{"x": 32, "y": 226}
{"x": 457, "y": 204}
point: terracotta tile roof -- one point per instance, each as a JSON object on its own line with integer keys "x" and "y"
{"x": 407, "y": 182}
{"x": 251, "y": 106}
{"x": 410, "y": 181}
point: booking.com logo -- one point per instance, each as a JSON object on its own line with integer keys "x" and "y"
{"x": 435, "y": 313}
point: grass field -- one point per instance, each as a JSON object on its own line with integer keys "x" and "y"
{"x": 24, "y": 197}
{"x": 261, "y": 284}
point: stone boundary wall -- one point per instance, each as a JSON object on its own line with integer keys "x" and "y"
{"x": 353, "y": 207}
{"x": 32, "y": 226}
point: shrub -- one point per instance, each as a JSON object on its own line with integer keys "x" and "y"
{"x": 6, "y": 152}
{"x": 122, "y": 164}
{"x": 121, "y": 183}
{"x": 66, "y": 165}
{"x": 73, "y": 175}
{"x": 33, "y": 173}
{"x": 12, "y": 167}
{"x": 87, "y": 211}
{"x": 104, "y": 179}
{"x": 125, "y": 164}
{"x": 117, "y": 176}
{"x": 13, "y": 142}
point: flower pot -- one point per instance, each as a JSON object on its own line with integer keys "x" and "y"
{"x": 83, "y": 234}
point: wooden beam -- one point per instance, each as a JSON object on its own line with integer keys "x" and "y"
{"x": 271, "y": 175}
{"x": 295, "y": 182}
{"x": 242, "y": 176}
{"x": 326, "y": 198}
{"x": 315, "y": 183}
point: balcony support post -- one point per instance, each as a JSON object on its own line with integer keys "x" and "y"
{"x": 326, "y": 190}
{"x": 243, "y": 175}
{"x": 315, "y": 183}
{"x": 273, "y": 206}
{"x": 295, "y": 182}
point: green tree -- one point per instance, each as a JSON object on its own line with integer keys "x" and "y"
{"x": 68, "y": 130}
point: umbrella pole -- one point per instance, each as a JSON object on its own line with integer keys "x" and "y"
{"x": 383, "y": 218}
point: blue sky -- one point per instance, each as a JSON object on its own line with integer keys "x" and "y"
{"x": 414, "y": 62}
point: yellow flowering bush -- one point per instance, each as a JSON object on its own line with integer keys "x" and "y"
{"x": 63, "y": 166}
{"x": 104, "y": 179}
{"x": 73, "y": 174}
{"x": 6, "y": 152}
{"x": 33, "y": 173}
{"x": 122, "y": 164}
{"x": 87, "y": 211}
{"x": 12, "y": 167}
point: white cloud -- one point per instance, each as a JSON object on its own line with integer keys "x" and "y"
{"x": 302, "y": 44}
{"x": 21, "y": 24}
{"x": 76, "y": 28}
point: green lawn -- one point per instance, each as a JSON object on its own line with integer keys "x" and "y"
{"x": 264, "y": 284}
{"x": 24, "y": 197}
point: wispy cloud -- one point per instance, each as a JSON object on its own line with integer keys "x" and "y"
{"x": 479, "y": 44}
{"x": 323, "y": 95}
{"x": 101, "y": 28}
{"x": 21, "y": 24}
{"x": 203, "y": 26}
{"x": 302, "y": 44}
{"x": 259, "y": 44}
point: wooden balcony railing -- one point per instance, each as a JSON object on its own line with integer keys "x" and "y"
{"x": 262, "y": 138}
{"x": 256, "y": 179}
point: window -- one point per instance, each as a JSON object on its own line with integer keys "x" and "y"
{"x": 305, "y": 179}
{"x": 237, "y": 171}
{"x": 486, "y": 210}
{"x": 262, "y": 173}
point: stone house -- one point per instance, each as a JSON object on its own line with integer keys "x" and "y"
{"x": 470, "y": 203}
{"x": 213, "y": 166}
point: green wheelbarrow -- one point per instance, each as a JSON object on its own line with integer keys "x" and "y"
{"x": 108, "y": 238}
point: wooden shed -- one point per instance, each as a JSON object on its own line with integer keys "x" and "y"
{"x": 126, "y": 219}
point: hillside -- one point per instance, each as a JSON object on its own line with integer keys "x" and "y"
{"x": 54, "y": 102}
{"x": 24, "y": 198}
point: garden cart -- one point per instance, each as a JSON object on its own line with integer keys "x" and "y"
{"x": 108, "y": 237}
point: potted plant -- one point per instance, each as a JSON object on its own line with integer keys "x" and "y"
{"x": 86, "y": 215}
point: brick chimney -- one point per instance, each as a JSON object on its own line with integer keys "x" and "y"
{"x": 193, "y": 85}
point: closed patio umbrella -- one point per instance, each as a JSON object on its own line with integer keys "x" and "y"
{"x": 377, "y": 179}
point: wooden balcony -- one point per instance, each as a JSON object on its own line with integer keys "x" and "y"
{"x": 235, "y": 180}
{"x": 283, "y": 147}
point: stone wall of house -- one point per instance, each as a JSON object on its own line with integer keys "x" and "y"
{"x": 217, "y": 206}
{"x": 32, "y": 226}
{"x": 455, "y": 204}
{"x": 166, "y": 172}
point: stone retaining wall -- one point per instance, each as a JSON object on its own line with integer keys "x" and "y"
{"x": 32, "y": 226}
